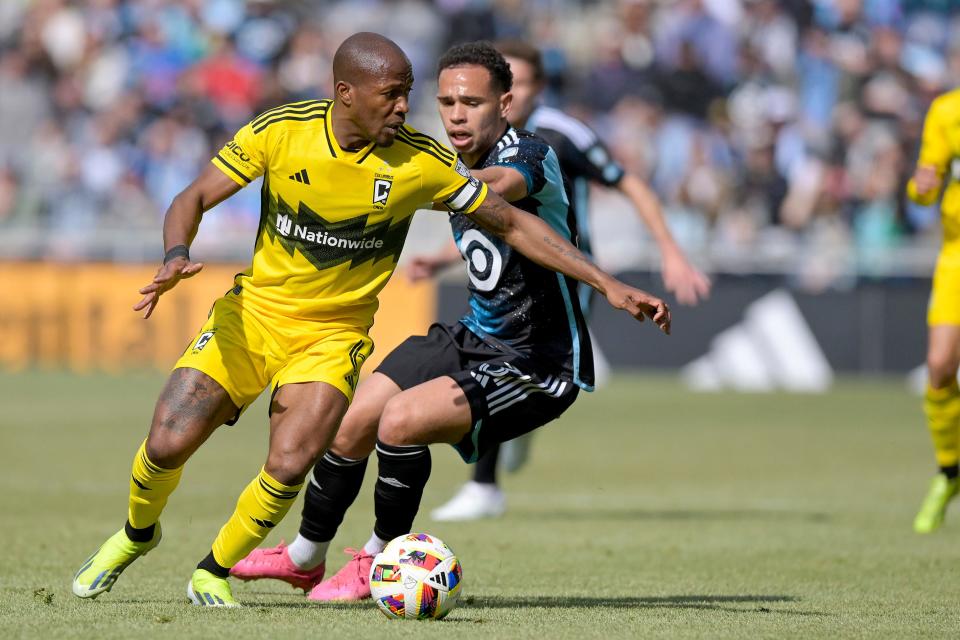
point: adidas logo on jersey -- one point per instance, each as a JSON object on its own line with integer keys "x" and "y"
{"x": 301, "y": 176}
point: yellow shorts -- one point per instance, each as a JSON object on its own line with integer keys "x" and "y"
{"x": 944, "y": 307}
{"x": 246, "y": 350}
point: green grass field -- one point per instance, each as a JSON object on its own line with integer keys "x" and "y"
{"x": 646, "y": 511}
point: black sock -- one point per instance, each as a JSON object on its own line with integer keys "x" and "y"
{"x": 213, "y": 566}
{"x": 951, "y": 472}
{"x": 485, "y": 472}
{"x": 139, "y": 535}
{"x": 334, "y": 486}
{"x": 403, "y": 474}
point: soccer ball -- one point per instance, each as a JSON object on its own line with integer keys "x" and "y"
{"x": 416, "y": 576}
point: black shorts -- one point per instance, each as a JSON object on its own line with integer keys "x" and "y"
{"x": 509, "y": 394}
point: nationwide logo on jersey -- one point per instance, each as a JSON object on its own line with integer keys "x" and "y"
{"x": 327, "y": 243}
{"x": 284, "y": 225}
{"x": 382, "y": 182}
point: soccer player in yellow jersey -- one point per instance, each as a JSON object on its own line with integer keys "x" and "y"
{"x": 936, "y": 166}
{"x": 342, "y": 179}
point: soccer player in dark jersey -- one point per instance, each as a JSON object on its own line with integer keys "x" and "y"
{"x": 584, "y": 159}
{"x": 514, "y": 362}
{"x": 342, "y": 178}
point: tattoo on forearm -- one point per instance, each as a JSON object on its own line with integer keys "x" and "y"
{"x": 491, "y": 215}
{"x": 570, "y": 252}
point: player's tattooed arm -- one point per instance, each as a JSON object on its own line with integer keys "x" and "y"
{"x": 506, "y": 181}
{"x": 180, "y": 226}
{"x": 535, "y": 239}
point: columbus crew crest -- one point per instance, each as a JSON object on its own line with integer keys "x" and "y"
{"x": 382, "y": 184}
{"x": 202, "y": 340}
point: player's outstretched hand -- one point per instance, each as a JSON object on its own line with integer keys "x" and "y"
{"x": 421, "y": 267}
{"x": 167, "y": 278}
{"x": 926, "y": 178}
{"x": 683, "y": 280}
{"x": 639, "y": 304}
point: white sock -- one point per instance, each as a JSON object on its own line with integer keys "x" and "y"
{"x": 487, "y": 488}
{"x": 375, "y": 545}
{"x": 307, "y": 554}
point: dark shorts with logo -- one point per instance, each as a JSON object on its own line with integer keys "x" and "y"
{"x": 509, "y": 393}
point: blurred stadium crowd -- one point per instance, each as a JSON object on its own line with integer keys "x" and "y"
{"x": 768, "y": 127}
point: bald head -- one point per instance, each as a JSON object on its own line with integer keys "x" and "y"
{"x": 372, "y": 79}
{"x": 368, "y": 56}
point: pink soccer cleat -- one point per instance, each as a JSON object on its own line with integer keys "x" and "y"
{"x": 352, "y": 582}
{"x": 275, "y": 563}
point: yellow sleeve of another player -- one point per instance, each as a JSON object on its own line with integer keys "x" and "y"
{"x": 455, "y": 187}
{"x": 934, "y": 149}
{"x": 444, "y": 176}
{"x": 244, "y": 157}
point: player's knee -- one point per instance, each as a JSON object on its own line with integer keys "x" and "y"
{"x": 290, "y": 464}
{"x": 172, "y": 437}
{"x": 942, "y": 368}
{"x": 355, "y": 440}
{"x": 167, "y": 449}
{"x": 398, "y": 423}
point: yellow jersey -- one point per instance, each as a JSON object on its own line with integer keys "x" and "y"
{"x": 941, "y": 149}
{"x": 332, "y": 221}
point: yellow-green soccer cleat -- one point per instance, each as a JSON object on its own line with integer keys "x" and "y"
{"x": 942, "y": 491}
{"x": 100, "y": 571}
{"x": 208, "y": 590}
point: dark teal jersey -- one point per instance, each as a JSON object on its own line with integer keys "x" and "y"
{"x": 514, "y": 301}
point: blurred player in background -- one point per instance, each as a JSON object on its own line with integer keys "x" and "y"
{"x": 514, "y": 362}
{"x": 938, "y": 165}
{"x": 584, "y": 160}
{"x": 342, "y": 179}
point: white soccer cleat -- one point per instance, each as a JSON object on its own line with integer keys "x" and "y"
{"x": 515, "y": 453}
{"x": 474, "y": 501}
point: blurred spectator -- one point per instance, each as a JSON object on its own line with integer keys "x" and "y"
{"x": 769, "y": 127}
{"x": 770, "y": 32}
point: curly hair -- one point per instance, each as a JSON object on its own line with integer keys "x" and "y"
{"x": 483, "y": 54}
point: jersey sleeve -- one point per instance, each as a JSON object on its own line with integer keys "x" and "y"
{"x": 244, "y": 157}
{"x": 586, "y": 157}
{"x": 934, "y": 150}
{"x": 455, "y": 187}
{"x": 527, "y": 157}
